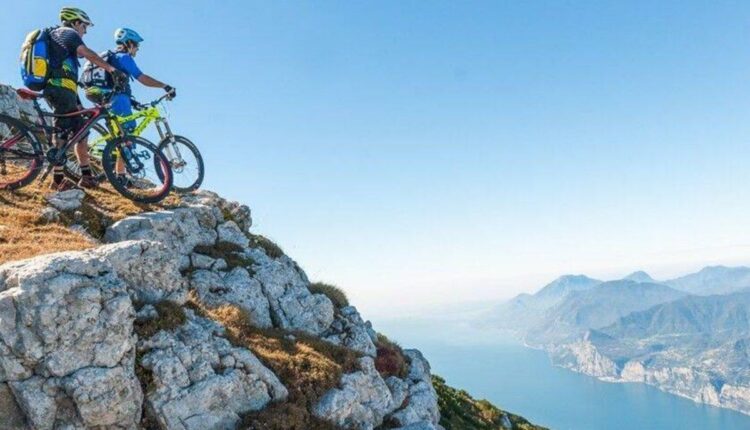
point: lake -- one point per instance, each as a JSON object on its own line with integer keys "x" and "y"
{"x": 524, "y": 382}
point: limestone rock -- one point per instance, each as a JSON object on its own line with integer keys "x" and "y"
{"x": 233, "y": 288}
{"x": 66, "y": 201}
{"x": 201, "y": 381}
{"x": 362, "y": 401}
{"x": 229, "y": 232}
{"x": 149, "y": 270}
{"x": 66, "y": 343}
{"x": 422, "y": 402}
{"x": 180, "y": 230}
{"x": 349, "y": 330}
{"x": 50, "y": 214}
{"x": 11, "y": 415}
{"x": 233, "y": 211}
{"x": 293, "y": 307}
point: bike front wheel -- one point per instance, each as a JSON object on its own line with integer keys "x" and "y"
{"x": 21, "y": 155}
{"x": 143, "y": 175}
{"x": 186, "y": 163}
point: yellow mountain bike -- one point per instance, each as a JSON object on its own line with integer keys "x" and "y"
{"x": 183, "y": 155}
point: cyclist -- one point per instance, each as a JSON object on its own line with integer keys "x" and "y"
{"x": 128, "y": 42}
{"x": 66, "y": 46}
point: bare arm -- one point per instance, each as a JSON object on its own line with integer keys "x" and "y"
{"x": 151, "y": 82}
{"x": 85, "y": 52}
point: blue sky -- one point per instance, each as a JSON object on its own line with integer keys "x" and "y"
{"x": 423, "y": 152}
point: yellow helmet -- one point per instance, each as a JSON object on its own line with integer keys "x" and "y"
{"x": 70, "y": 14}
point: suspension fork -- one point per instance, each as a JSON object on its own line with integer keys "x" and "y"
{"x": 166, "y": 133}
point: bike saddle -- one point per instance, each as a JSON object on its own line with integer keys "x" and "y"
{"x": 28, "y": 94}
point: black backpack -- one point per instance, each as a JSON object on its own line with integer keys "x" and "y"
{"x": 95, "y": 76}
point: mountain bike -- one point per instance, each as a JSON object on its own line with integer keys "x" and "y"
{"x": 184, "y": 158}
{"x": 147, "y": 177}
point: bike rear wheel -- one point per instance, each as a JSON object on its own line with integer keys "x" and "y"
{"x": 186, "y": 163}
{"x": 146, "y": 177}
{"x": 21, "y": 155}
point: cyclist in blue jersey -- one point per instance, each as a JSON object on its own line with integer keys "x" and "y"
{"x": 128, "y": 42}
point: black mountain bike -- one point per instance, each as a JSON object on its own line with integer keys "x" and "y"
{"x": 147, "y": 177}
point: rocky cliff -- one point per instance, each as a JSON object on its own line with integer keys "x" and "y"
{"x": 116, "y": 316}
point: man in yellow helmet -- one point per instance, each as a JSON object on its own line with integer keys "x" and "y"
{"x": 61, "y": 91}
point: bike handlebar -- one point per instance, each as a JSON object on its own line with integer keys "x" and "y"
{"x": 152, "y": 103}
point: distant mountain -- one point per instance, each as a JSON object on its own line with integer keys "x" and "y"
{"x": 563, "y": 285}
{"x": 697, "y": 347}
{"x": 720, "y": 317}
{"x": 525, "y": 310}
{"x": 598, "y": 307}
{"x": 641, "y": 276}
{"x": 713, "y": 280}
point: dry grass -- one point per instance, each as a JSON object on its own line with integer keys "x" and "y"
{"x": 307, "y": 366}
{"x": 336, "y": 294}
{"x": 24, "y": 234}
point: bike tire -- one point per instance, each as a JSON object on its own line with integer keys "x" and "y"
{"x": 155, "y": 186}
{"x": 19, "y": 144}
{"x": 73, "y": 170}
{"x": 193, "y": 177}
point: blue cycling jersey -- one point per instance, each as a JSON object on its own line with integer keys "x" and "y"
{"x": 124, "y": 62}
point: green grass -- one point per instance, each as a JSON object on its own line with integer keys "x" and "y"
{"x": 460, "y": 411}
{"x": 336, "y": 294}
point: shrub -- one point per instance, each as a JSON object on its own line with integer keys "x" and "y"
{"x": 390, "y": 360}
{"x": 337, "y": 296}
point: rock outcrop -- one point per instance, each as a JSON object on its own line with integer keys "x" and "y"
{"x": 71, "y": 355}
{"x": 124, "y": 335}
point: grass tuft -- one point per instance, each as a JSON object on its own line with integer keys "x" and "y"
{"x": 272, "y": 250}
{"x": 336, "y": 294}
{"x": 170, "y": 317}
{"x": 230, "y": 252}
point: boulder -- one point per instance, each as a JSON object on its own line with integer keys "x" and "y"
{"x": 235, "y": 287}
{"x": 180, "y": 230}
{"x": 149, "y": 270}
{"x": 66, "y": 343}
{"x": 362, "y": 401}
{"x": 349, "y": 330}
{"x": 229, "y": 232}
{"x": 201, "y": 381}
{"x": 66, "y": 201}
{"x": 233, "y": 211}
{"x": 293, "y": 307}
{"x": 421, "y": 400}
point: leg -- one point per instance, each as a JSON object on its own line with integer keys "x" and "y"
{"x": 62, "y": 101}
{"x": 122, "y": 107}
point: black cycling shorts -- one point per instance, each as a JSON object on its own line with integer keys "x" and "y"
{"x": 63, "y": 101}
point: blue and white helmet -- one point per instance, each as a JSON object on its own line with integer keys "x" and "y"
{"x": 124, "y": 35}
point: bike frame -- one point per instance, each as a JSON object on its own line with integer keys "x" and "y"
{"x": 152, "y": 114}
{"x": 95, "y": 114}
